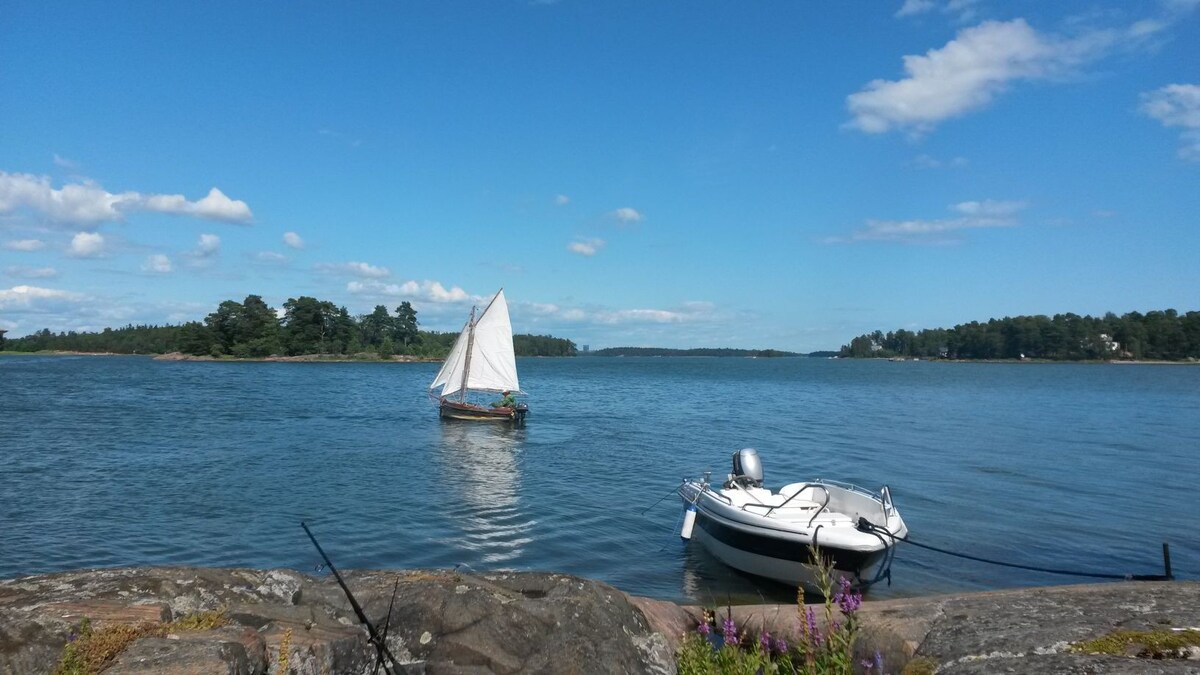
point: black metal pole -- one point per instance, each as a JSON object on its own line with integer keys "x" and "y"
{"x": 1167, "y": 561}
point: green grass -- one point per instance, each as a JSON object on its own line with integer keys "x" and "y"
{"x": 91, "y": 650}
{"x": 1161, "y": 643}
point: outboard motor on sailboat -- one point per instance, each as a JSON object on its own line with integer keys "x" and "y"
{"x": 520, "y": 410}
{"x": 747, "y": 469}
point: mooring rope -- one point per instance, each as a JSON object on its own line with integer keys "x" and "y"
{"x": 867, "y": 526}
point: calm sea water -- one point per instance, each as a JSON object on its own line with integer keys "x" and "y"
{"x": 127, "y": 461}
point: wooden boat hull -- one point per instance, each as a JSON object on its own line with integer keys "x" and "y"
{"x": 455, "y": 410}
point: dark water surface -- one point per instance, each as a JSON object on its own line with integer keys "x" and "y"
{"x": 127, "y": 461}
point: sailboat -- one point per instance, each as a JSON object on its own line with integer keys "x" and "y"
{"x": 481, "y": 360}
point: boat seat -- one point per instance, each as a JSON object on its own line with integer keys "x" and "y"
{"x": 790, "y": 507}
{"x": 758, "y": 500}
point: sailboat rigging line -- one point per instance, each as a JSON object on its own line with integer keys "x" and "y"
{"x": 462, "y": 390}
{"x": 381, "y": 648}
{"x": 867, "y": 526}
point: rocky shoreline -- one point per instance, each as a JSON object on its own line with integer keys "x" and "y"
{"x": 507, "y": 622}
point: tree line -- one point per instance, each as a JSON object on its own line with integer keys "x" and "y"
{"x": 704, "y": 351}
{"x": 1158, "y": 335}
{"x": 253, "y": 329}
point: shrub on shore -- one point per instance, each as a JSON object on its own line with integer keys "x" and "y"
{"x": 825, "y": 645}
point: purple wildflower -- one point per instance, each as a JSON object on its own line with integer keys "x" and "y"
{"x": 765, "y": 641}
{"x": 729, "y": 630}
{"x": 847, "y": 599}
{"x": 879, "y": 662}
{"x": 814, "y": 633}
{"x": 704, "y": 629}
{"x": 781, "y": 645}
{"x": 867, "y": 665}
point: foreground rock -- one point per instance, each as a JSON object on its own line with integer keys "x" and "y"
{"x": 443, "y": 622}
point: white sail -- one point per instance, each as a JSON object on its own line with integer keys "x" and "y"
{"x": 452, "y": 367}
{"x": 490, "y": 365}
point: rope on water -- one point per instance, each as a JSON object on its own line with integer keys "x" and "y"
{"x": 867, "y": 526}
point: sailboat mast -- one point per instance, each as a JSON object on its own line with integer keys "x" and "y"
{"x": 462, "y": 391}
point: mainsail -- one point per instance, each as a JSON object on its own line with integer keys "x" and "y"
{"x": 482, "y": 357}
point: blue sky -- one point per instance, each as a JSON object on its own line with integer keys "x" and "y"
{"x": 768, "y": 174}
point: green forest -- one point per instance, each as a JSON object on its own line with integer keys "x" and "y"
{"x": 253, "y": 329}
{"x": 1158, "y": 335}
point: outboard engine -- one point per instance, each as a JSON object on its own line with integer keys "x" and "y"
{"x": 747, "y": 469}
{"x": 520, "y": 410}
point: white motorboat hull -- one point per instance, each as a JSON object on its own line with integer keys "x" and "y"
{"x": 772, "y": 538}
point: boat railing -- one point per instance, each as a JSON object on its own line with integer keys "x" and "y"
{"x": 883, "y": 497}
{"x": 889, "y": 508}
{"x": 705, "y": 487}
{"x": 850, "y": 487}
{"x": 797, "y": 494}
{"x": 824, "y": 505}
{"x": 771, "y": 507}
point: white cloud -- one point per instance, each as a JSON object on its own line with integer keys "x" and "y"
{"x": 967, "y": 73}
{"x": 1177, "y": 105}
{"x": 214, "y": 206}
{"x": 913, "y": 7}
{"x": 928, "y": 162}
{"x": 64, "y": 163}
{"x": 358, "y": 269}
{"x": 963, "y": 10}
{"x": 25, "y": 297}
{"x": 293, "y": 240}
{"x": 82, "y": 203}
{"x": 562, "y": 200}
{"x": 434, "y": 291}
{"x": 25, "y": 245}
{"x": 157, "y": 263}
{"x": 271, "y": 257}
{"x": 989, "y": 208}
{"x": 430, "y": 291}
{"x": 640, "y": 316}
{"x": 627, "y": 215}
{"x": 18, "y": 272}
{"x": 688, "y": 312}
{"x": 975, "y": 215}
{"x": 586, "y": 247}
{"x": 86, "y": 203}
{"x": 86, "y": 245}
{"x": 207, "y": 246}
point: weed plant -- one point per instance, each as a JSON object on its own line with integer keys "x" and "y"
{"x": 825, "y": 645}
{"x": 91, "y": 650}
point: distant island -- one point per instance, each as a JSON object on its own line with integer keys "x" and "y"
{"x": 1156, "y": 336}
{"x": 660, "y": 351}
{"x": 252, "y": 329}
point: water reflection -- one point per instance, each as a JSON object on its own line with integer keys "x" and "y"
{"x": 479, "y": 462}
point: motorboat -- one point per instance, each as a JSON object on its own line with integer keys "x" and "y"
{"x": 771, "y": 533}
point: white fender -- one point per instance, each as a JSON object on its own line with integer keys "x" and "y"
{"x": 689, "y": 521}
